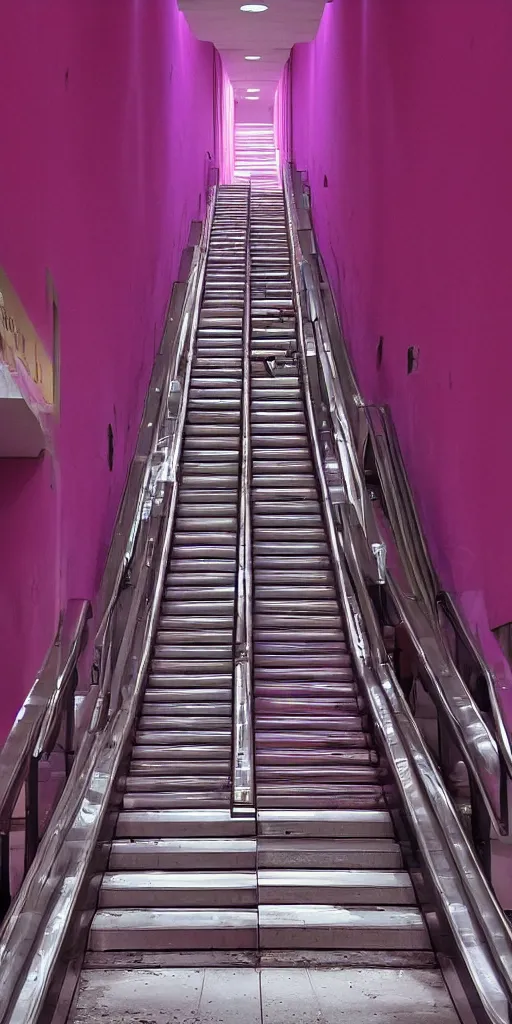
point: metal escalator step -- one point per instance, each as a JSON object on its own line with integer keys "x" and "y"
{"x": 193, "y": 720}
{"x": 199, "y": 652}
{"x": 327, "y": 707}
{"x": 307, "y": 775}
{"x": 304, "y": 672}
{"x": 342, "y": 887}
{"x": 290, "y": 730}
{"x": 184, "y": 779}
{"x": 310, "y": 659}
{"x": 320, "y": 795}
{"x": 302, "y": 607}
{"x": 202, "y": 609}
{"x": 340, "y": 927}
{"x": 182, "y": 823}
{"x": 299, "y": 749}
{"x": 178, "y": 680}
{"x": 182, "y": 749}
{"x": 285, "y": 620}
{"x": 298, "y": 641}
{"x": 156, "y": 772}
{"x": 179, "y": 667}
{"x": 298, "y": 757}
{"x": 215, "y": 740}
{"x": 183, "y": 855}
{"x": 174, "y": 929}
{"x": 182, "y": 638}
{"x": 169, "y": 889}
{"x": 180, "y": 798}
{"x": 326, "y": 854}
{"x": 324, "y": 823}
{"x": 207, "y": 701}
{"x": 219, "y": 624}
{"x": 303, "y": 688}
{"x": 180, "y": 712}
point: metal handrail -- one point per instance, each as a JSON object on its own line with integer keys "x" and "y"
{"x": 495, "y": 796}
{"x": 242, "y": 768}
{"x": 481, "y": 747}
{"x": 438, "y": 598}
{"x": 464, "y": 894}
{"x": 35, "y": 929}
{"x": 47, "y": 712}
{"x": 156, "y": 468}
{"x": 464, "y": 635}
{"x": 40, "y": 713}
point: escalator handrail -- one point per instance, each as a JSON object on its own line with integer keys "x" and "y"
{"x": 345, "y": 440}
{"x": 242, "y": 767}
{"x": 35, "y": 929}
{"x": 430, "y": 810}
{"x": 40, "y": 714}
{"x": 442, "y": 600}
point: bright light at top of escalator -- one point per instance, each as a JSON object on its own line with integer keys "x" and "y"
{"x": 254, "y": 8}
{"x": 253, "y": 58}
{"x": 254, "y": 90}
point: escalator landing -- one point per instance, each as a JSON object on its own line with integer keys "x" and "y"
{"x": 268, "y": 996}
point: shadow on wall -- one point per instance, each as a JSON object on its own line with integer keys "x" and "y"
{"x": 103, "y": 177}
{"x": 401, "y": 121}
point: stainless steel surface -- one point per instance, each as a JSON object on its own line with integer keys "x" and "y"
{"x": 37, "y": 756}
{"x": 43, "y": 911}
{"x": 243, "y": 791}
{"x": 174, "y": 929}
{"x": 398, "y": 554}
{"x": 257, "y": 575}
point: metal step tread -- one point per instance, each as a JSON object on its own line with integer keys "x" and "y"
{"x": 325, "y": 823}
{"x": 182, "y": 823}
{"x": 183, "y": 854}
{"x": 157, "y": 929}
{"x": 333, "y": 854}
{"x": 306, "y": 926}
{"x": 168, "y": 889}
{"x": 367, "y": 887}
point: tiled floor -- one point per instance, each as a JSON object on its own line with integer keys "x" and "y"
{"x": 246, "y": 996}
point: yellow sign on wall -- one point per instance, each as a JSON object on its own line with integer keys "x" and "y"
{"x": 19, "y": 342}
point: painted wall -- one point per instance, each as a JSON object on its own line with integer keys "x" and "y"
{"x": 224, "y": 123}
{"x": 107, "y": 131}
{"x": 401, "y": 117}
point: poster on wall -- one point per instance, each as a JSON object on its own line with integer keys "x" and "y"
{"x": 25, "y": 356}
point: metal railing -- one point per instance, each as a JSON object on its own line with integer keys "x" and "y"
{"x": 40, "y": 917}
{"x": 485, "y": 750}
{"x": 44, "y": 724}
{"x": 242, "y": 767}
{"x": 421, "y": 574}
{"x": 462, "y": 895}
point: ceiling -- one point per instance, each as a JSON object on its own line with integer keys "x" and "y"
{"x": 269, "y": 35}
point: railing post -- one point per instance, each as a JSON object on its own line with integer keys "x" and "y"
{"x": 5, "y": 873}
{"x": 242, "y": 770}
{"x": 31, "y": 812}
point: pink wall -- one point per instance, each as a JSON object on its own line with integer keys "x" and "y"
{"x": 224, "y": 123}
{"x": 107, "y": 120}
{"x": 401, "y": 117}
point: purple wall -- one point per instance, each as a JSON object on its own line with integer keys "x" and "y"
{"x": 107, "y": 117}
{"x": 401, "y": 117}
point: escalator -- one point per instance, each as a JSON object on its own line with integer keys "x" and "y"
{"x": 299, "y": 895}
{"x": 315, "y": 875}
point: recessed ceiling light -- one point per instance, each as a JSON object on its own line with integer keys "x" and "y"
{"x": 254, "y": 8}
{"x": 252, "y": 97}
{"x": 253, "y": 58}
{"x": 254, "y": 90}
